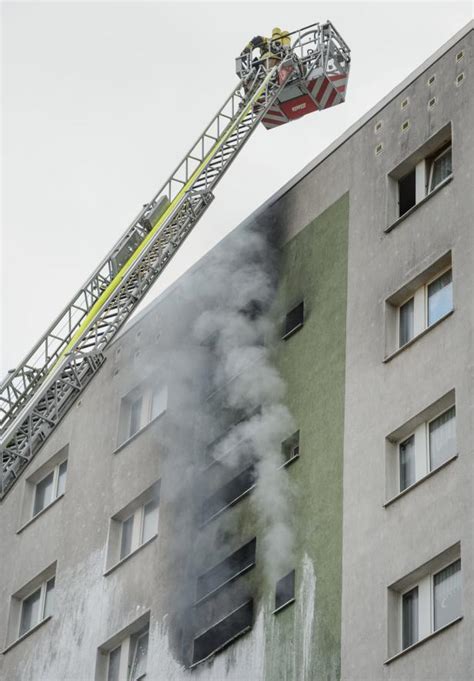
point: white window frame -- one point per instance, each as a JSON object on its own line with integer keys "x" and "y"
{"x": 422, "y": 452}
{"x": 55, "y": 495}
{"x": 146, "y": 392}
{"x": 420, "y": 307}
{"x": 138, "y": 527}
{"x": 429, "y": 188}
{"x": 128, "y": 648}
{"x": 426, "y": 604}
{"x": 42, "y": 606}
{"x": 134, "y": 509}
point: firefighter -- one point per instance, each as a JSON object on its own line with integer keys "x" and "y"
{"x": 281, "y": 40}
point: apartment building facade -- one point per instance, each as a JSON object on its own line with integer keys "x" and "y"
{"x": 137, "y": 544}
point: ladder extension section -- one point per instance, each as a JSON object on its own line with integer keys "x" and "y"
{"x": 38, "y": 393}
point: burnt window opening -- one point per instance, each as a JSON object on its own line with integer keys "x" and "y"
{"x": 294, "y": 320}
{"x": 407, "y": 192}
{"x": 223, "y": 633}
{"x": 227, "y": 570}
{"x": 285, "y": 591}
{"x": 241, "y": 416}
{"x": 290, "y": 448}
{"x": 229, "y": 494}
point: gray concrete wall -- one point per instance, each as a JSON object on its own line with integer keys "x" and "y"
{"x": 380, "y": 545}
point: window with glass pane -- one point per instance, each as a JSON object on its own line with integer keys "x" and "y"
{"x": 442, "y": 438}
{"x": 30, "y": 612}
{"x": 447, "y": 595}
{"x": 126, "y": 540}
{"x": 49, "y": 598}
{"x": 159, "y": 401}
{"x": 440, "y": 297}
{"x": 407, "y": 463}
{"x": 140, "y": 652}
{"x": 43, "y": 493}
{"x": 150, "y": 520}
{"x": 135, "y": 415}
{"x": 441, "y": 168}
{"x": 113, "y": 670}
{"x": 406, "y": 328}
{"x": 61, "y": 478}
{"x": 410, "y": 618}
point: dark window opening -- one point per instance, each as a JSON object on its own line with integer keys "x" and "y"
{"x": 214, "y": 450}
{"x": 233, "y": 566}
{"x": 229, "y": 494}
{"x": 290, "y": 447}
{"x": 294, "y": 320}
{"x": 407, "y": 192}
{"x": 223, "y": 633}
{"x": 285, "y": 591}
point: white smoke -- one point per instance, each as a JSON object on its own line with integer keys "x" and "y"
{"x": 240, "y": 288}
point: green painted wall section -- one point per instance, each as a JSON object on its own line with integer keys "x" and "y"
{"x": 312, "y": 362}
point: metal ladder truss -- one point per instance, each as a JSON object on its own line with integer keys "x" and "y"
{"x": 39, "y": 392}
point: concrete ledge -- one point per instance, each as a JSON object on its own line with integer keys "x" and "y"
{"x": 26, "y": 634}
{"x": 129, "y": 555}
{"x": 411, "y": 210}
{"x": 40, "y": 513}
{"x": 413, "y": 340}
{"x": 423, "y": 640}
{"x": 418, "y": 482}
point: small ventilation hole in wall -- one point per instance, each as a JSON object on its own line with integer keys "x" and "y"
{"x": 431, "y": 80}
{"x": 432, "y": 102}
{"x": 460, "y": 55}
{"x": 378, "y": 149}
{"x": 404, "y": 103}
{"x": 460, "y": 79}
{"x": 405, "y": 126}
{"x": 378, "y": 126}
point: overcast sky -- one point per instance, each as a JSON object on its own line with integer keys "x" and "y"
{"x": 100, "y": 100}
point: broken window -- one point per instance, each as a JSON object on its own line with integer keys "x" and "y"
{"x": 291, "y": 448}
{"x": 223, "y": 632}
{"x": 229, "y": 493}
{"x": 234, "y": 565}
{"x": 285, "y": 591}
{"x": 294, "y": 320}
{"x": 407, "y": 192}
{"x": 128, "y": 660}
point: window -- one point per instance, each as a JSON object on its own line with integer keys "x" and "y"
{"x": 31, "y": 605}
{"x": 233, "y": 566}
{"x": 428, "y": 305}
{"x": 229, "y": 493}
{"x": 442, "y": 438}
{"x": 223, "y": 632}
{"x": 419, "y": 304}
{"x": 425, "y": 601}
{"x": 37, "y": 606}
{"x": 290, "y": 448}
{"x": 419, "y": 454}
{"x": 141, "y": 406}
{"x": 133, "y": 526}
{"x": 407, "y": 192}
{"x": 419, "y": 174}
{"x": 50, "y": 487}
{"x": 421, "y": 446}
{"x": 410, "y": 618}
{"x": 285, "y": 591}
{"x": 440, "y": 297}
{"x": 294, "y": 320}
{"x": 406, "y": 325}
{"x": 126, "y": 658}
{"x": 440, "y": 168}
{"x": 432, "y": 604}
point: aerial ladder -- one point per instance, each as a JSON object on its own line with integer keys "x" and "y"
{"x": 307, "y": 74}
